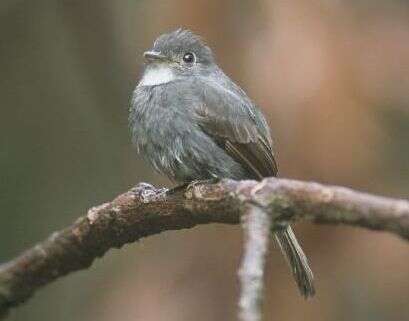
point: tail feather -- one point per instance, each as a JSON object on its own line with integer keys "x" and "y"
{"x": 297, "y": 261}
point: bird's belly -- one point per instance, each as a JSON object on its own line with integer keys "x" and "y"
{"x": 188, "y": 155}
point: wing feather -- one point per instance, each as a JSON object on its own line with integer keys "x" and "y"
{"x": 240, "y": 128}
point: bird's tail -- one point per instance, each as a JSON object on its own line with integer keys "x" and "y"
{"x": 297, "y": 261}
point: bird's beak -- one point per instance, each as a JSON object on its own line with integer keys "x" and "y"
{"x": 151, "y": 56}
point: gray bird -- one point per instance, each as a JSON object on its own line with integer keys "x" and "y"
{"x": 192, "y": 122}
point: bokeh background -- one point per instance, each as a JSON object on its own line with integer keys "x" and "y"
{"x": 331, "y": 75}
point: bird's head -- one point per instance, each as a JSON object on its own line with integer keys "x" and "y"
{"x": 174, "y": 55}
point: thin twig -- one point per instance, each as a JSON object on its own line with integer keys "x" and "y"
{"x": 256, "y": 226}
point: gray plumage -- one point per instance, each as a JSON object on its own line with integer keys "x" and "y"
{"x": 192, "y": 122}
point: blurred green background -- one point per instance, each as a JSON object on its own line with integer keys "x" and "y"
{"x": 331, "y": 75}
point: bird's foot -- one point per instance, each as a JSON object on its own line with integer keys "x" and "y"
{"x": 208, "y": 181}
{"x": 176, "y": 189}
{"x": 190, "y": 185}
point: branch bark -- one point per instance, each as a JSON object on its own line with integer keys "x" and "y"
{"x": 145, "y": 211}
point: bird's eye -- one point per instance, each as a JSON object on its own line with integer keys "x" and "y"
{"x": 189, "y": 58}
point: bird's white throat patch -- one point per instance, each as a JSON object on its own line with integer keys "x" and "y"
{"x": 157, "y": 75}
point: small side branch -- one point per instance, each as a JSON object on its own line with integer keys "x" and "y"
{"x": 256, "y": 226}
{"x": 145, "y": 211}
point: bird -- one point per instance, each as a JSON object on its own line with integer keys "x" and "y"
{"x": 191, "y": 122}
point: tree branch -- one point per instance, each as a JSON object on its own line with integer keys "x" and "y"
{"x": 145, "y": 211}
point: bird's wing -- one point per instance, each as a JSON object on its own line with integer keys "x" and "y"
{"x": 238, "y": 127}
